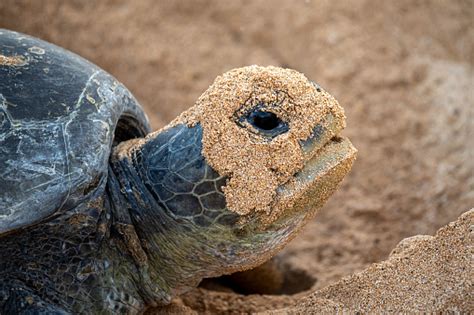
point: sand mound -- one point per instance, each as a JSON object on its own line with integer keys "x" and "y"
{"x": 422, "y": 274}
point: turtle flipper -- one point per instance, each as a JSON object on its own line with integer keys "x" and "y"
{"x": 23, "y": 301}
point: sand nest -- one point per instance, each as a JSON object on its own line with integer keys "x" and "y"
{"x": 256, "y": 165}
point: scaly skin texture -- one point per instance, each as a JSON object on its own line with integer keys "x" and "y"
{"x": 70, "y": 264}
{"x": 181, "y": 217}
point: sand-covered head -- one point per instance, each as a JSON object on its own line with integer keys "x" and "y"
{"x": 261, "y": 125}
{"x": 233, "y": 179}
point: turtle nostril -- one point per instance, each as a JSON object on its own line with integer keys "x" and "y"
{"x": 264, "y": 120}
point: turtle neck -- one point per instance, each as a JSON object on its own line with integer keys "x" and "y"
{"x": 171, "y": 256}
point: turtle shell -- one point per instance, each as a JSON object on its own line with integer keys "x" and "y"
{"x": 59, "y": 118}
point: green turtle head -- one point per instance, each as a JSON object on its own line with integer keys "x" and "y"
{"x": 231, "y": 180}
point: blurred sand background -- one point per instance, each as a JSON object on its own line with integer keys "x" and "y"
{"x": 403, "y": 71}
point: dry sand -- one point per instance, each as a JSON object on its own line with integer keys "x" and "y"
{"x": 422, "y": 274}
{"x": 402, "y": 70}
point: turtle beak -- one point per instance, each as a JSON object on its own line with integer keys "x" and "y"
{"x": 328, "y": 159}
{"x": 322, "y": 133}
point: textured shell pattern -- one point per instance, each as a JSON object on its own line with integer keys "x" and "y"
{"x": 58, "y": 114}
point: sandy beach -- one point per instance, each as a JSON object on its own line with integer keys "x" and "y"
{"x": 403, "y": 72}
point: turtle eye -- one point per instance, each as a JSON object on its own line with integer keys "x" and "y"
{"x": 264, "y": 120}
{"x": 267, "y": 123}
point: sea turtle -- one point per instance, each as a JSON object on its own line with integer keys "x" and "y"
{"x": 98, "y": 215}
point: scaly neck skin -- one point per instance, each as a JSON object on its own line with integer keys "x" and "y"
{"x": 123, "y": 186}
{"x": 173, "y": 217}
{"x": 163, "y": 249}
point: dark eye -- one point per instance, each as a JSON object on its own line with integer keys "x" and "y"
{"x": 264, "y": 120}
{"x": 267, "y": 123}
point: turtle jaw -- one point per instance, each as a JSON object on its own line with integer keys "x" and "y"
{"x": 328, "y": 159}
{"x": 246, "y": 246}
{"x": 310, "y": 188}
